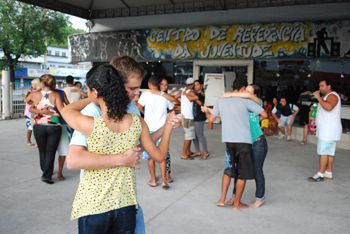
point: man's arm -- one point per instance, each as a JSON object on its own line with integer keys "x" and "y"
{"x": 208, "y": 113}
{"x": 296, "y": 110}
{"x": 65, "y": 99}
{"x": 327, "y": 104}
{"x": 170, "y": 98}
{"x": 175, "y": 120}
{"x": 80, "y": 158}
{"x": 193, "y": 98}
{"x": 255, "y": 108}
{"x": 243, "y": 95}
{"x": 157, "y": 153}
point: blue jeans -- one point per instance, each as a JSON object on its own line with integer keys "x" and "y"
{"x": 120, "y": 221}
{"x": 140, "y": 222}
{"x": 259, "y": 151}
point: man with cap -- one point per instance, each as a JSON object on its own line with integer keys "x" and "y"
{"x": 187, "y": 118}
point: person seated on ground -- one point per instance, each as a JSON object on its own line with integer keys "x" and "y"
{"x": 276, "y": 116}
{"x": 267, "y": 123}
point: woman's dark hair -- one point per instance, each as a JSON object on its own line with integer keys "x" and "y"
{"x": 257, "y": 90}
{"x": 239, "y": 83}
{"x": 110, "y": 86}
{"x": 199, "y": 81}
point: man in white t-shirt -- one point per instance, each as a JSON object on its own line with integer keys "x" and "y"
{"x": 72, "y": 92}
{"x": 328, "y": 131}
{"x": 288, "y": 113}
{"x": 155, "y": 108}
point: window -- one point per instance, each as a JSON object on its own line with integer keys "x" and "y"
{"x": 64, "y": 54}
{"x": 57, "y": 53}
{"x": 49, "y": 52}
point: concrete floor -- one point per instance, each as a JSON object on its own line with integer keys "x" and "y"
{"x": 293, "y": 205}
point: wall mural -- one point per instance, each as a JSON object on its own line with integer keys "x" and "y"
{"x": 320, "y": 39}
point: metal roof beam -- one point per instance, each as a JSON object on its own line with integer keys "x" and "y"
{"x": 60, "y": 6}
{"x": 125, "y": 4}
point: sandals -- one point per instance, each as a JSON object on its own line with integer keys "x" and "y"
{"x": 31, "y": 144}
{"x": 204, "y": 156}
{"x": 152, "y": 185}
{"x": 186, "y": 157}
{"x": 165, "y": 186}
{"x": 196, "y": 154}
{"x": 303, "y": 142}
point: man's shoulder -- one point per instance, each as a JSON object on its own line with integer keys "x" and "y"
{"x": 91, "y": 110}
{"x": 132, "y": 108}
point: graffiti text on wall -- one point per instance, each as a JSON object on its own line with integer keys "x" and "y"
{"x": 321, "y": 39}
{"x": 236, "y": 41}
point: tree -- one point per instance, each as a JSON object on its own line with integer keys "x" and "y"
{"x": 65, "y": 32}
{"x": 25, "y": 31}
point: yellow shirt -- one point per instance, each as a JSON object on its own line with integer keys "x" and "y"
{"x": 103, "y": 190}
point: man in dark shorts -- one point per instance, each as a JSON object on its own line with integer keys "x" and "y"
{"x": 234, "y": 113}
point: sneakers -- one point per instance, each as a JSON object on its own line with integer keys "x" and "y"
{"x": 328, "y": 175}
{"x": 318, "y": 177}
{"x": 289, "y": 138}
{"x": 280, "y": 136}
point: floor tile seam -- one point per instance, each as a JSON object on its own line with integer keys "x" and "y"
{"x": 184, "y": 195}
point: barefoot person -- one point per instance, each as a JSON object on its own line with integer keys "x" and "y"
{"x": 328, "y": 131}
{"x": 109, "y": 192}
{"x": 259, "y": 147}
{"x": 234, "y": 113}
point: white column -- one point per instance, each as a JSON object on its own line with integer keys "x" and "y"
{"x": 196, "y": 70}
{"x": 5, "y": 82}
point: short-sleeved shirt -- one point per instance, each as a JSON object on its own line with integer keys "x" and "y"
{"x": 156, "y": 109}
{"x": 93, "y": 110}
{"x": 254, "y": 122}
{"x": 234, "y": 114}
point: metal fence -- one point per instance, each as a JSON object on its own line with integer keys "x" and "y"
{"x": 0, "y": 101}
{"x": 17, "y": 102}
